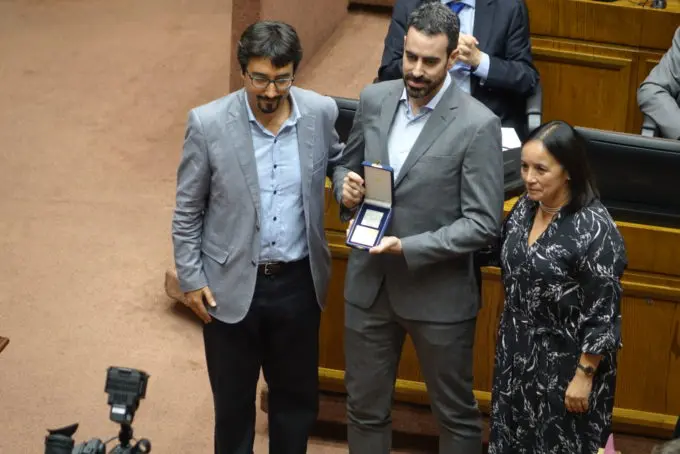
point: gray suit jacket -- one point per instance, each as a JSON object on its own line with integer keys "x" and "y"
{"x": 216, "y": 224}
{"x": 448, "y": 203}
{"x": 659, "y": 94}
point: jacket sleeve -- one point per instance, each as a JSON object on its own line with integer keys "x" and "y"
{"x": 659, "y": 93}
{"x": 193, "y": 186}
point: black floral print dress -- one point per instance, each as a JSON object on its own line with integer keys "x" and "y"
{"x": 562, "y": 298}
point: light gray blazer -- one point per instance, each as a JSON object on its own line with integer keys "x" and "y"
{"x": 216, "y": 224}
{"x": 448, "y": 203}
{"x": 659, "y": 95}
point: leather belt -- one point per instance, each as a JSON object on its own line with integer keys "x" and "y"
{"x": 275, "y": 268}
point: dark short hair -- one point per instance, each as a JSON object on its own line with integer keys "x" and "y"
{"x": 570, "y": 149}
{"x": 274, "y": 40}
{"x": 434, "y": 18}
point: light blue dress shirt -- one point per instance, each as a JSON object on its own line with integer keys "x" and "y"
{"x": 407, "y": 126}
{"x": 460, "y": 71}
{"x": 283, "y": 233}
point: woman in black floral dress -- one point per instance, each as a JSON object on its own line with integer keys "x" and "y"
{"x": 562, "y": 258}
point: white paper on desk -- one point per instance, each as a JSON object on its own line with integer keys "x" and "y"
{"x": 364, "y": 235}
{"x": 372, "y": 218}
{"x": 510, "y": 139}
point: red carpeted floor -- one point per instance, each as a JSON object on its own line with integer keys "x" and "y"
{"x": 93, "y": 100}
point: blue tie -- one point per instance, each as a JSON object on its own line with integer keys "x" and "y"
{"x": 456, "y": 7}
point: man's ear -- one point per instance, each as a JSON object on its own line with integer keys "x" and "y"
{"x": 452, "y": 59}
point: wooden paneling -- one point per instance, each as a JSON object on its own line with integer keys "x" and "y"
{"x": 673, "y": 392}
{"x": 617, "y": 22}
{"x": 584, "y": 84}
{"x": 658, "y": 26}
{"x": 643, "y": 371}
{"x": 487, "y": 330}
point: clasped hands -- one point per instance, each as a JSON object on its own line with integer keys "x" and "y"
{"x": 468, "y": 52}
{"x": 353, "y": 191}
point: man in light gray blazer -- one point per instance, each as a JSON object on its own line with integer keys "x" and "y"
{"x": 445, "y": 148}
{"x": 250, "y": 248}
{"x": 659, "y": 94}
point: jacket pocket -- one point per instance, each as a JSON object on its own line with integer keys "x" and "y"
{"x": 214, "y": 252}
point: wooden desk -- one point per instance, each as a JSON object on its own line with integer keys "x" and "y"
{"x": 592, "y": 57}
{"x": 647, "y": 395}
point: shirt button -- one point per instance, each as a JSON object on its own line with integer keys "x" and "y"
{"x": 275, "y": 192}
{"x": 275, "y": 218}
{"x": 273, "y": 243}
{"x": 275, "y": 166}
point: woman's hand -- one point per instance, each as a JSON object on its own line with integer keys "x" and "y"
{"x": 578, "y": 392}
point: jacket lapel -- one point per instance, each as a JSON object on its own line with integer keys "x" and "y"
{"x": 387, "y": 112}
{"x": 306, "y": 136}
{"x": 239, "y": 139}
{"x": 441, "y": 117}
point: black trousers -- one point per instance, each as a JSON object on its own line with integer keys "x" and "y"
{"x": 280, "y": 334}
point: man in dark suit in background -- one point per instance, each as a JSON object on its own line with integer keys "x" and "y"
{"x": 494, "y": 63}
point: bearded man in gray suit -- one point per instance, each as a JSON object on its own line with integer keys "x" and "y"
{"x": 445, "y": 149}
{"x": 250, "y": 248}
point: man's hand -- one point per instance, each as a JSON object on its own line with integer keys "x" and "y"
{"x": 197, "y": 299}
{"x": 388, "y": 245}
{"x": 578, "y": 392}
{"x": 468, "y": 52}
{"x": 353, "y": 190}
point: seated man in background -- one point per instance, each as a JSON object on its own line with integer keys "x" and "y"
{"x": 659, "y": 94}
{"x": 494, "y": 63}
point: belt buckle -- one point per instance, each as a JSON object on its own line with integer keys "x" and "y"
{"x": 267, "y": 269}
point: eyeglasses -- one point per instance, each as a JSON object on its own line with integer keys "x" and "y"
{"x": 262, "y": 83}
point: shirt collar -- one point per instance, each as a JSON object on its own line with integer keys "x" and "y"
{"x": 292, "y": 119}
{"x": 470, "y": 3}
{"x": 434, "y": 101}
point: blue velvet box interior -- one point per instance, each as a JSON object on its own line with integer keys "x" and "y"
{"x": 375, "y": 212}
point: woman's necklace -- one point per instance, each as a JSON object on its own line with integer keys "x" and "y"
{"x": 549, "y": 210}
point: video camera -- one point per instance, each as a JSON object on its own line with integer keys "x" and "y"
{"x": 125, "y": 388}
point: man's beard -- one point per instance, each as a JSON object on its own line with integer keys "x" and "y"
{"x": 268, "y": 105}
{"x": 424, "y": 91}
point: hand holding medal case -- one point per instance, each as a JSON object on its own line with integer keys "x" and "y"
{"x": 375, "y": 212}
